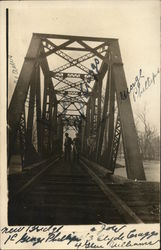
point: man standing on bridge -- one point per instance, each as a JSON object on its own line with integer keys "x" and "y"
{"x": 67, "y": 146}
{"x": 76, "y": 147}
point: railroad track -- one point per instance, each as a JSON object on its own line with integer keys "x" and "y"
{"x": 63, "y": 193}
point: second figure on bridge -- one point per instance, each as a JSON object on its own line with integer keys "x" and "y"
{"x": 68, "y": 146}
{"x": 76, "y": 147}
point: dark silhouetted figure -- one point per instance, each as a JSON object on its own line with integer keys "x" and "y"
{"x": 76, "y": 147}
{"x": 67, "y": 145}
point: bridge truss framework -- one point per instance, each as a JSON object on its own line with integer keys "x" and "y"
{"x": 83, "y": 93}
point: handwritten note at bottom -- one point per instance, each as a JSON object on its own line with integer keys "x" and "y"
{"x": 102, "y": 236}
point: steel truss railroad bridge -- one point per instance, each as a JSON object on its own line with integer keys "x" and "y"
{"x": 74, "y": 82}
{"x": 83, "y": 93}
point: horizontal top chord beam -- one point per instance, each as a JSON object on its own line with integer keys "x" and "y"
{"x": 85, "y": 38}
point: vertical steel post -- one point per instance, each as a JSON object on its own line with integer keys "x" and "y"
{"x": 103, "y": 120}
{"x": 38, "y": 109}
{"x": 55, "y": 112}
{"x": 82, "y": 135}
{"x": 87, "y": 127}
{"x": 115, "y": 145}
{"x": 93, "y": 99}
{"x": 22, "y": 138}
{"x": 99, "y": 98}
{"x": 46, "y": 116}
{"x": 99, "y": 94}
{"x": 49, "y": 98}
{"x": 54, "y": 126}
{"x": 31, "y": 111}
{"x": 60, "y": 135}
{"x": 111, "y": 120}
{"x": 50, "y": 108}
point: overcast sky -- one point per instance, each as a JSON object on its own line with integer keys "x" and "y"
{"x": 135, "y": 23}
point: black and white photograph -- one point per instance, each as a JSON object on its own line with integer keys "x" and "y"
{"x": 80, "y": 124}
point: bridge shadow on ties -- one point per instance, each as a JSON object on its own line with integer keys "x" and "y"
{"x": 72, "y": 84}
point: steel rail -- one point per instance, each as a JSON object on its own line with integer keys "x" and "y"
{"x": 120, "y": 205}
{"x": 26, "y": 185}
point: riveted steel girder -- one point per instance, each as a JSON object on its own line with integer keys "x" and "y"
{"x": 20, "y": 93}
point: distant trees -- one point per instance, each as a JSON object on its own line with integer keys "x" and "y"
{"x": 149, "y": 140}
